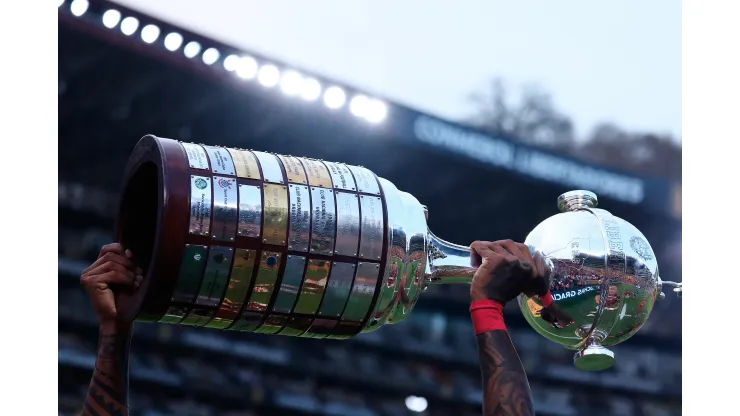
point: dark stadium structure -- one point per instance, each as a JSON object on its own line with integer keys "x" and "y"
{"x": 113, "y": 89}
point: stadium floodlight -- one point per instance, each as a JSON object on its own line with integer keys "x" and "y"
{"x": 173, "y": 41}
{"x": 231, "y": 63}
{"x": 416, "y": 404}
{"x": 291, "y": 82}
{"x": 79, "y": 7}
{"x": 111, "y": 18}
{"x": 129, "y": 25}
{"x": 334, "y": 97}
{"x": 376, "y": 111}
{"x": 192, "y": 49}
{"x": 358, "y": 105}
{"x": 311, "y": 89}
{"x": 210, "y": 56}
{"x": 247, "y": 68}
{"x": 268, "y": 75}
{"x": 149, "y": 33}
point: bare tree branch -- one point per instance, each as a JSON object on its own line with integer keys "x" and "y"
{"x": 535, "y": 120}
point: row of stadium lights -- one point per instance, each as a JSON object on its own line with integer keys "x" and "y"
{"x": 291, "y": 82}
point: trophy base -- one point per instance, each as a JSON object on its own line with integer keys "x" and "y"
{"x": 594, "y": 358}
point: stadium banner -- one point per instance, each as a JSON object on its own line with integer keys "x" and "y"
{"x": 527, "y": 161}
{"x": 536, "y": 163}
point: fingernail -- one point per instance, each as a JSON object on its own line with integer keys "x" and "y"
{"x": 129, "y": 253}
{"x": 137, "y": 284}
{"x": 139, "y": 278}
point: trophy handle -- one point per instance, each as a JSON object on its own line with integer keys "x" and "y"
{"x": 448, "y": 262}
{"x": 677, "y": 288}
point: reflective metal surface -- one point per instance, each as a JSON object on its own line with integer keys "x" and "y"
{"x": 198, "y": 316}
{"x": 449, "y": 263}
{"x": 271, "y": 171}
{"x": 247, "y": 321}
{"x": 594, "y": 357}
{"x": 212, "y": 287}
{"x": 225, "y": 210}
{"x": 320, "y": 328}
{"x": 293, "y": 169}
{"x": 406, "y": 223}
{"x": 317, "y": 173}
{"x": 300, "y": 218}
{"x": 191, "y": 272}
{"x": 341, "y": 176}
{"x": 604, "y": 278}
{"x": 237, "y": 290}
{"x": 337, "y": 290}
{"x": 578, "y": 257}
{"x": 363, "y": 290}
{"x": 314, "y": 283}
{"x": 323, "y": 221}
{"x": 272, "y": 324}
{"x": 250, "y": 211}
{"x": 215, "y": 277}
{"x": 371, "y": 234}
{"x": 275, "y": 214}
{"x": 200, "y": 205}
{"x": 365, "y": 180}
{"x": 292, "y": 279}
{"x": 174, "y": 314}
{"x": 413, "y": 282}
{"x": 221, "y": 162}
{"x": 197, "y": 158}
{"x": 264, "y": 284}
{"x": 245, "y": 163}
{"x": 348, "y": 224}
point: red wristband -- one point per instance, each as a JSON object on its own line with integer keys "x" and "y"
{"x": 487, "y": 315}
{"x": 546, "y": 299}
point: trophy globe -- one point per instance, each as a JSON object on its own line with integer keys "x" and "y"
{"x": 604, "y": 279}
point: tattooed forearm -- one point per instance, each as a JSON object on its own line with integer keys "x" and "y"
{"x": 108, "y": 391}
{"x": 505, "y": 387}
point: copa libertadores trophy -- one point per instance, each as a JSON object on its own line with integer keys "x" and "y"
{"x": 244, "y": 240}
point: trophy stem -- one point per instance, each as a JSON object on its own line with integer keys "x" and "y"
{"x": 448, "y": 263}
{"x": 594, "y": 357}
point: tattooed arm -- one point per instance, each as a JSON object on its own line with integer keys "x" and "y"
{"x": 108, "y": 391}
{"x": 505, "y": 387}
{"x": 505, "y": 269}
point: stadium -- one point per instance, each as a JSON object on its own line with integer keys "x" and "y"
{"x": 123, "y": 74}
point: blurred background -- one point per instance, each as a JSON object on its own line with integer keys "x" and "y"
{"x": 494, "y": 173}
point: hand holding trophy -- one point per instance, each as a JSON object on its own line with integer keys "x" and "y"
{"x": 251, "y": 241}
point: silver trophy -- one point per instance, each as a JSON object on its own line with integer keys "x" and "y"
{"x": 604, "y": 277}
{"x": 242, "y": 240}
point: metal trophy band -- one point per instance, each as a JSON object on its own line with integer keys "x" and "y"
{"x": 244, "y": 240}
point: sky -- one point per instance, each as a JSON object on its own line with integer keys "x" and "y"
{"x": 616, "y": 61}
